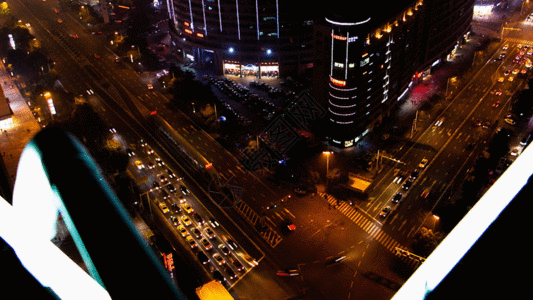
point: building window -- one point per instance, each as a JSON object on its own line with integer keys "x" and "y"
{"x": 338, "y": 65}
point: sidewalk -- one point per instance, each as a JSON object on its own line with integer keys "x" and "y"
{"x": 13, "y": 140}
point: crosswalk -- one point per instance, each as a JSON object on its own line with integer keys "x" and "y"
{"x": 519, "y": 41}
{"x": 270, "y": 235}
{"x": 370, "y": 226}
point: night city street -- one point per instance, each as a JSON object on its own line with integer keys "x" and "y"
{"x": 277, "y": 171}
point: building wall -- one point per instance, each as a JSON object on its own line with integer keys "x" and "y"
{"x": 381, "y": 63}
{"x": 244, "y": 32}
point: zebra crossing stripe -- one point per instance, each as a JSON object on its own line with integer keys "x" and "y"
{"x": 373, "y": 230}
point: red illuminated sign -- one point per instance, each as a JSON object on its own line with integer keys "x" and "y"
{"x": 338, "y": 82}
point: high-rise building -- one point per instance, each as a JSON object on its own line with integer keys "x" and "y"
{"x": 378, "y": 52}
{"x": 244, "y": 37}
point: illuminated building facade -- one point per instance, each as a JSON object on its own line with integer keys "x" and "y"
{"x": 244, "y": 37}
{"x": 375, "y": 57}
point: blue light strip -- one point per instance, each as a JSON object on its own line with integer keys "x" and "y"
{"x": 219, "y": 16}
{"x": 277, "y": 16}
{"x": 203, "y": 11}
{"x": 238, "y": 22}
{"x": 346, "y": 65}
{"x": 190, "y": 13}
{"x": 257, "y": 17}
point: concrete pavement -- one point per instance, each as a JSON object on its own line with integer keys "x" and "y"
{"x": 25, "y": 126}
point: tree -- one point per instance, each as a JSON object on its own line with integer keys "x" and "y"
{"x": 426, "y": 241}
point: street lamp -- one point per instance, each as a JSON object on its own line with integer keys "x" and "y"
{"x": 327, "y": 153}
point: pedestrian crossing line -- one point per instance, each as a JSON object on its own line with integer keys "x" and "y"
{"x": 371, "y": 227}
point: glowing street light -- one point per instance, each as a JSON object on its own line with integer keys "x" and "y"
{"x": 327, "y": 153}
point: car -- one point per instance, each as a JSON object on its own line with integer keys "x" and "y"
{"x": 478, "y": 122}
{"x": 507, "y": 72}
{"x": 170, "y": 173}
{"x": 198, "y": 218}
{"x": 423, "y": 163}
{"x": 162, "y": 178}
{"x": 498, "y": 92}
{"x": 56, "y": 11}
{"x": 155, "y": 186}
{"x": 209, "y": 233}
{"x": 397, "y": 197}
{"x": 130, "y": 152}
{"x": 515, "y": 152}
{"x": 184, "y": 190}
{"x": 523, "y": 71}
{"x": 112, "y": 130}
{"x": 385, "y": 212}
{"x": 218, "y": 259}
{"x": 186, "y": 220}
{"x": 59, "y": 21}
{"x": 117, "y": 59}
{"x": 139, "y": 164}
{"x": 174, "y": 220}
{"x": 237, "y": 264}
{"x": 287, "y": 272}
{"x": 186, "y": 207}
{"x": 191, "y": 241}
{"x": 182, "y": 230}
{"x": 165, "y": 194}
{"x": 515, "y": 71}
{"x": 231, "y": 244}
{"x": 164, "y": 207}
{"x": 149, "y": 151}
{"x": 196, "y": 233}
{"x": 525, "y": 140}
{"x": 501, "y": 79}
{"x": 229, "y": 271}
{"x": 150, "y": 165}
{"x": 407, "y": 185}
{"x": 486, "y": 125}
{"x": 218, "y": 276}
{"x": 206, "y": 244}
{"x": 511, "y": 78}
{"x": 399, "y": 177}
{"x": 171, "y": 188}
{"x": 175, "y": 208}
{"x": 496, "y": 104}
{"x": 439, "y": 122}
{"x": 223, "y": 249}
{"x": 334, "y": 260}
{"x": 505, "y": 47}
{"x": 96, "y": 56}
{"x": 159, "y": 162}
{"x": 288, "y": 225}
{"x": 509, "y": 121}
{"x": 143, "y": 143}
{"x": 202, "y": 257}
{"x": 414, "y": 175}
{"x": 150, "y": 86}
{"x": 213, "y": 222}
